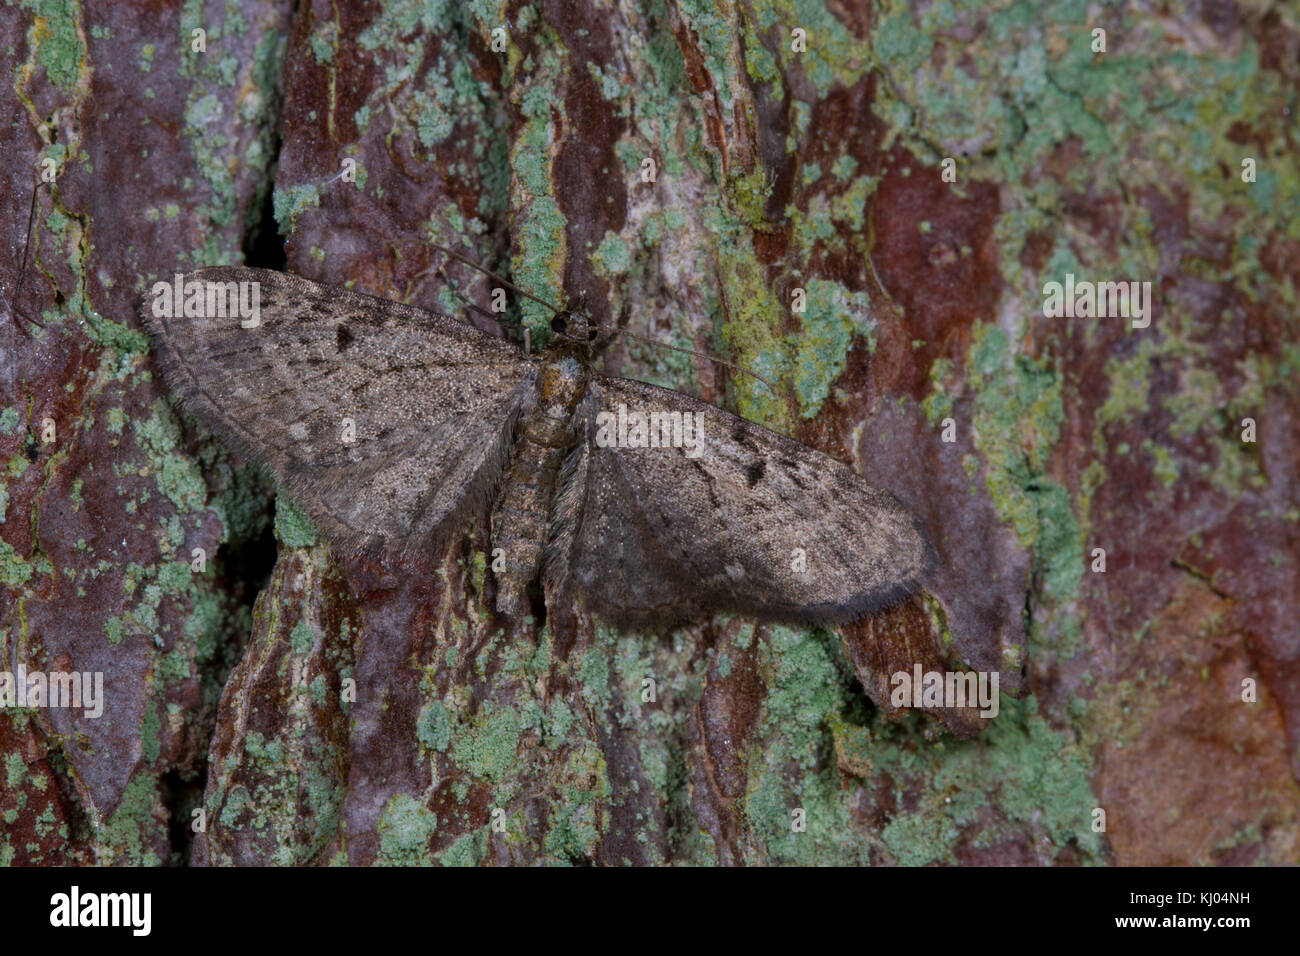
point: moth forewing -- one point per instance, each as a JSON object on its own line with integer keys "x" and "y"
{"x": 431, "y": 403}
{"x": 756, "y": 522}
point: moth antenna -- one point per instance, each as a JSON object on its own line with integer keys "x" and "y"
{"x": 528, "y": 295}
{"x": 704, "y": 355}
{"x": 22, "y": 269}
{"x": 492, "y": 275}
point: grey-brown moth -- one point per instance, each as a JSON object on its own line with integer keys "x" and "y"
{"x": 389, "y": 423}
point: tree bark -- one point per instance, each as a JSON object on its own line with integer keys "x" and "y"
{"x": 861, "y": 202}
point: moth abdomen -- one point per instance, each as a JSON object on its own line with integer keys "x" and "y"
{"x": 522, "y": 515}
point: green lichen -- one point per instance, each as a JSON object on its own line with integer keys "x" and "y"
{"x": 469, "y": 850}
{"x": 58, "y": 38}
{"x": 15, "y": 769}
{"x": 302, "y": 638}
{"x": 749, "y": 194}
{"x": 289, "y": 203}
{"x": 114, "y": 628}
{"x": 405, "y": 831}
{"x": 15, "y": 571}
{"x": 1164, "y": 466}
{"x": 177, "y": 474}
{"x": 1017, "y": 419}
{"x": 126, "y": 342}
{"x": 787, "y": 774}
{"x": 539, "y": 228}
{"x": 138, "y": 823}
{"x": 577, "y": 817}
{"x": 319, "y": 690}
{"x": 612, "y": 257}
{"x": 753, "y": 313}
{"x": 205, "y": 624}
{"x": 323, "y": 42}
{"x": 487, "y": 746}
{"x": 174, "y": 667}
{"x": 243, "y": 505}
{"x": 292, "y": 526}
{"x": 715, "y": 34}
{"x": 433, "y": 728}
{"x": 834, "y": 317}
{"x": 834, "y": 56}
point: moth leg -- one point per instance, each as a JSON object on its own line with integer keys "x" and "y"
{"x": 475, "y": 308}
{"x": 466, "y": 301}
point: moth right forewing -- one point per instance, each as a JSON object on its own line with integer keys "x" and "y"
{"x": 384, "y": 420}
{"x": 756, "y": 522}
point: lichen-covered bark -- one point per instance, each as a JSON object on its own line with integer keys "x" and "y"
{"x": 100, "y": 523}
{"x": 689, "y": 166}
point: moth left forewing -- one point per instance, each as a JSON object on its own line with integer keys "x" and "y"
{"x": 384, "y": 421}
{"x": 731, "y": 517}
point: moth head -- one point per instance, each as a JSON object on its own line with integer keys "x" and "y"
{"x": 575, "y": 325}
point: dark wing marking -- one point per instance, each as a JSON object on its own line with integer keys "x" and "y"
{"x": 432, "y": 402}
{"x": 651, "y": 532}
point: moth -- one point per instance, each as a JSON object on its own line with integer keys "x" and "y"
{"x": 389, "y": 424}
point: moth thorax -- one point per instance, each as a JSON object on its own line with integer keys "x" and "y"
{"x": 561, "y": 383}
